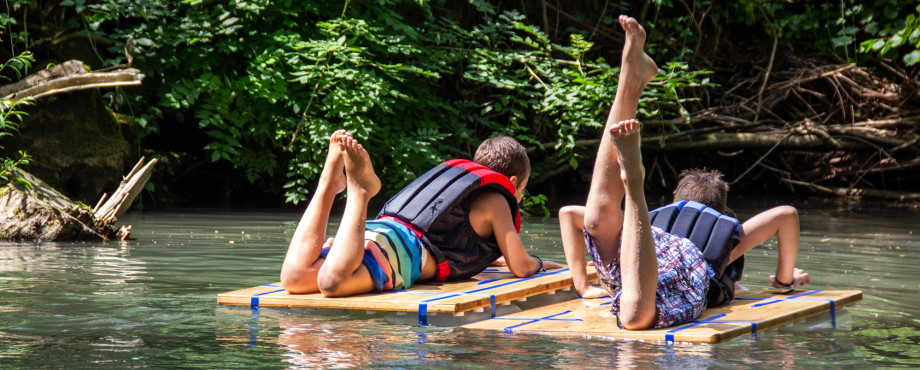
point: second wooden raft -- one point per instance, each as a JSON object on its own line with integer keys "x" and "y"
{"x": 751, "y": 311}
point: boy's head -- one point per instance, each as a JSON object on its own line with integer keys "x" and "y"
{"x": 703, "y": 186}
{"x": 506, "y": 156}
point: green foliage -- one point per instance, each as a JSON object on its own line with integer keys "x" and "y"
{"x": 417, "y": 82}
{"x": 898, "y": 38}
{"x": 538, "y": 202}
{"x": 8, "y": 166}
{"x": 11, "y": 115}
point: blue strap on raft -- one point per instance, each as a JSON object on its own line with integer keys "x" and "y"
{"x": 714, "y": 234}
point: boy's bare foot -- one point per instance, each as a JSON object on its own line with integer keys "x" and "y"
{"x": 626, "y": 139}
{"x": 359, "y": 172}
{"x": 333, "y": 175}
{"x": 636, "y": 68}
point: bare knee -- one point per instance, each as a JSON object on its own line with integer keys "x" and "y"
{"x": 600, "y": 219}
{"x": 299, "y": 281}
{"x": 573, "y": 215}
{"x": 330, "y": 285}
{"x": 787, "y": 212}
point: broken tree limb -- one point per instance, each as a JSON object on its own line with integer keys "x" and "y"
{"x": 68, "y": 77}
{"x": 131, "y": 185}
{"x": 746, "y": 140}
{"x": 83, "y": 81}
{"x": 68, "y": 68}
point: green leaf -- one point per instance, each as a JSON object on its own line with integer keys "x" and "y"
{"x": 911, "y": 58}
{"x": 842, "y": 41}
{"x": 896, "y": 41}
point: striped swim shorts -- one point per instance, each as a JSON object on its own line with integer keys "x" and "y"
{"x": 393, "y": 255}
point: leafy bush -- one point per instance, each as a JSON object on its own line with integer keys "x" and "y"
{"x": 422, "y": 81}
{"x": 898, "y": 38}
{"x": 10, "y": 116}
{"x": 269, "y": 81}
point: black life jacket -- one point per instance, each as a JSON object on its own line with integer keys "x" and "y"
{"x": 436, "y": 206}
{"x": 714, "y": 234}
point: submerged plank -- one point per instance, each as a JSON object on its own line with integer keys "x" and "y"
{"x": 749, "y": 312}
{"x": 494, "y": 286}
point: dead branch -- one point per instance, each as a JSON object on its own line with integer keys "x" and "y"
{"x": 68, "y": 77}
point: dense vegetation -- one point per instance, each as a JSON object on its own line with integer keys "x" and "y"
{"x": 259, "y": 85}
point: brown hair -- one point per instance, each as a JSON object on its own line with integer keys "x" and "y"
{"x": 703, "y": 186}
{"x": 504, "y": 155}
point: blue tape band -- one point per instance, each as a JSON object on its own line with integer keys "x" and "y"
{"x": 833, "y": 305}
{"x": 254, "y": 300}
{"x": 512, "y": 282}
{"x": 423, "y": 305}
{"x": 423, "y": 314}
{"x": 486, "y": 281}
{"x": 770, "y": 301}
{"x": 492, "y": 298}
{"x": 669, "y": 335}
{"x": 511, "y": 328}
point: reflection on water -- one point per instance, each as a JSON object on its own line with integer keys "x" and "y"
{"x": 151, "y": 302}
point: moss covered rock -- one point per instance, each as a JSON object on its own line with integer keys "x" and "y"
{"x": 75, "y": 142}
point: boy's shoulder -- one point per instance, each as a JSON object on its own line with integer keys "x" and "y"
{"x": 491, "y": 202}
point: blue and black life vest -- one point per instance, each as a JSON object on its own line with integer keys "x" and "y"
{"x": 436, "y": 206}
{"x": 714, "y": 234}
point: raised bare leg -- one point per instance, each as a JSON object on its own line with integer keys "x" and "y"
{"x": 638, "y": 262}
{"x": 342, "y": 273}
{"x": 301, "y": 264}
{"x": 618, "y": 174}
{"x": 603, "y": 218}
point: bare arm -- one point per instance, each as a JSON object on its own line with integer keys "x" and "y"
{"x": 571, "y": 223}
{"x": 490, "y": 214}
{"x": 782, "y": 221}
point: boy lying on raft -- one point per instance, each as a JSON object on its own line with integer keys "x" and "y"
{"x": 450, "y": 223}
{"x": 656, "y": 279}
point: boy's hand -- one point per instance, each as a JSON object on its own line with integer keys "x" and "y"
{"x": 799, "y": 278}
{"x": 499, "y": 262}
{"x": 550, "y": 265}
{"x": 594, "y": 291}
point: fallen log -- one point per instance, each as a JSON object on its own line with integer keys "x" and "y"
{"x": 32, "y": 210}
{"x": 857, "y": 193}
{"x": 68, "y": 77}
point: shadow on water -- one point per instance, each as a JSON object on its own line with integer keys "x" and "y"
{"x": 151, "y": 302}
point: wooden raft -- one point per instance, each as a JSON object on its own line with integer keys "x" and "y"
{"x": 493, "y": 286}
{"x": 749, "y": 312}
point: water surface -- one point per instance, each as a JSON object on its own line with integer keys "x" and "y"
{"x": 151, "y": 302}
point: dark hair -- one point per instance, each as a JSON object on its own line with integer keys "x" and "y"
{"x": 703, "y": 186}
{"x": 504, "y": 155}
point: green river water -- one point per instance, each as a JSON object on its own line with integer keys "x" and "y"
{"x": 151, "y": 302}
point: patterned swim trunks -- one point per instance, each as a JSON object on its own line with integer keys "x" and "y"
{"x": 393, "y": 255}
{"x": 683, "y": 278}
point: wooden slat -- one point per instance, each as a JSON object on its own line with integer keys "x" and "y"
{"x": 497, "y": 283}
{"x": 750, "y": 310}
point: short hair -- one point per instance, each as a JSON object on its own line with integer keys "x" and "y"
{"x": 504, "y": 155}
{"x": 704, "y": 186}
